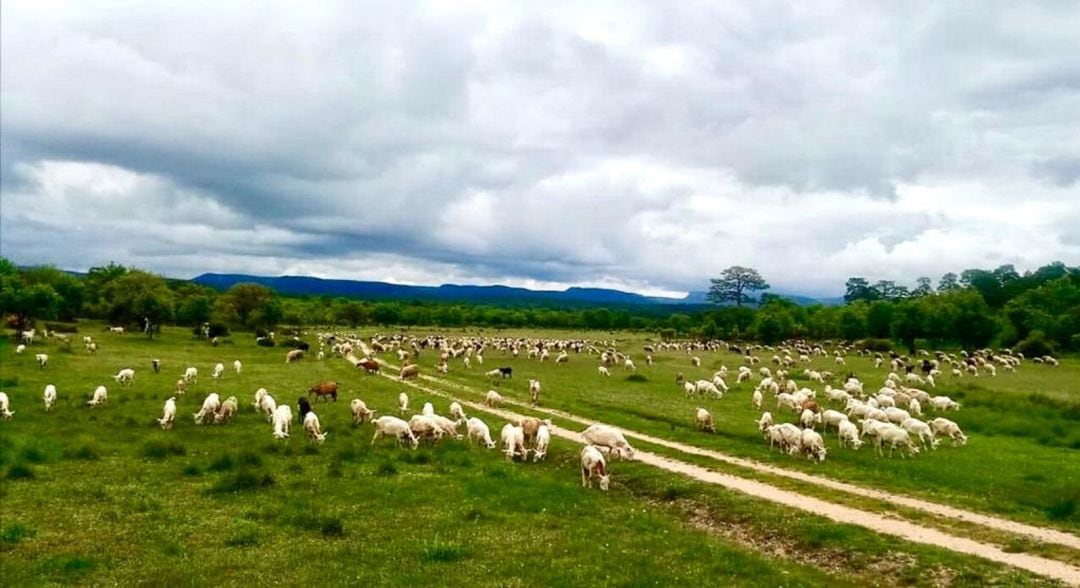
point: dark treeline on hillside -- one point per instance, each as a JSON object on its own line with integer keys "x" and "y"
{"x": 1038, "y": 311}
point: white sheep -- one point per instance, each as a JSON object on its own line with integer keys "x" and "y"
{"x": 493, "y": 399}
{"x": 101, "y": 396}
{"x": 42, "y": 359}
{"x": 219, "y": 370}
{"x": 543, "y": 439}
{"x": 809, "y": 418}
{"x": 813, "y": 445}
{"x": 20, "y": 348}
{"x": 282, "y": 421}
{"x": 704, "y": 420}
{"x": 210, "y": 405}
{"x": 534, "y": 391}
{"x": 603, "y": 371}
{"x": 360, "y": 411}
{"x": 764, "y": 422}
{"x": 191, "y": 375}
{"x": 943, "y": 427}
{"x": 49, "y": 396}
{"x": 428, "y": 409}
{"x": 707, "y": 387}
{"x": 237, "y": 366}
{"x": 168, "y": 414}
{"x": 456, "y": 412}
{"x": 479, "y": 432}
{"x": 609, "y": 437}
{"x": 403, "y": 402}
{"x": 513, "y": 439}
{"x": 921, "y": 431}
{"x": 391, "y": 426}
{"x": 629, "y": 364}
{"x": 5, "y": 406}
{"x": 125, "y": 377}
{"x": 896, "y": 415}
{"x": 593, "y": 466}
{"x": 312, "y": 427}
{"x": 849, "y": 434}
{"x": 756, "y": 399}
{"x": 944, "y": 403}
{"x": 226, "y": 411}
{"x": 894, "y": 435}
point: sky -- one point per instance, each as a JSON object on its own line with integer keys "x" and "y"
{"x": 640, "y": 146}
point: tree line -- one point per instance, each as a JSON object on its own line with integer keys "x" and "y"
{"x": 1039, "y": 310}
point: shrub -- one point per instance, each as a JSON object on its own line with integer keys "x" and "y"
{"x": 242, "y": 481}
{"x": 159, "y": 450}
{"x": 62, "y": 327}
{"x": 444, "y": 551}
{"x": 264, "y": 342}
{"x": 218, "y": 330}
{"x": 20, "y": 471}
{"x": 15, "y": 533}
{"x": 879, "y": 345}
{"x": 1036, "y": 345}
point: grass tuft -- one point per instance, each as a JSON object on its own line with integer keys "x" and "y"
{"x": 439, "y": 550}
{"x": 20, "y": 471}
{"x": 159, "y": 450}
{"x": 15, "y": 533}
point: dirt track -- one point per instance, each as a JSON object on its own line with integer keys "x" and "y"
{"x": 842, "y": 514}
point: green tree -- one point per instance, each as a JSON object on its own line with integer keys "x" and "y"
{"x": 247, "y": 298}
{"x": 859, "y": 289}
{"x": 948, "y": 283}
{"x": 734, "y": 285}
{"x": 25, "y": 302}
{"x": 879, "y": 319}
{"x": 923, "y": 287}
{"x": 907, "y": 324}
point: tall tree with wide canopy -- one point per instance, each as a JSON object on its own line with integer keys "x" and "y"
{"x": 735, "y": 284}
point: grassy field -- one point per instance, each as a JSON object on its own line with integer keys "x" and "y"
{"x": 1022, "y": 458}
{"x": 102, "y": 495}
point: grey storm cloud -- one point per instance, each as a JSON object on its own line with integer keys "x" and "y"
{"x": 636, "y": 145}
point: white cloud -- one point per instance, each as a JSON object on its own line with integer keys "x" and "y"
{"x": 638, "y": 145}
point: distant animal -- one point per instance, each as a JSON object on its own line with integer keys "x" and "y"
{"x": 324, "y": 390}
{"x": 302, "y": 408}
{"x": 369, "y": 365}
{"x": 506, "y": 372}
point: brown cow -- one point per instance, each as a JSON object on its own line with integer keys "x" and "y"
{"x": 324, "y": 389}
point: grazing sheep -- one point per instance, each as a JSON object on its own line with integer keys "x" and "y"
{"x": 495, "y": 374}
{"x": 944, "y": 403}
{"x": 156, "y": 364}
{"x": 325, "y": 390}
{"x": 914, "y": 407}
{"x": 629, "y": 364}
{"x": 302, "y": 408}
{"x": 921, "y": 431}
{"x": 168, "y": 414}
{"x": 42, "y": 359}
{"x": 125, "y": 377}
{"x": 790, "y": 437}
{"x": 513, "y": 439}
{"x": 237, "y": 366}
{"x": 943, "y": 427}
{"x": 593, "y": 466}
{"x": 191, "y": 375}
{"x": 408, "y": 372}
{"x": 428, "y": 409}
{"x": 896, "y": 415}
{"x": 696, "y": 361}
{"x": 609, "y": 437}
{"x": 390, "y": 426}
{"x": 543, "y": 439}
{"x": 706, "y": 387}
{"x": 704, "y": 421}
{"x": 534, "y": 391}
{"x": 894, "y": 435}
{"x": 219, "y": 370}
{"x": 456, "y": 412}
{"x": 690, "y": 388}
{"x": 101, "y": 396}
{"x": 282, "y": 421}
{"x": 292, "y": 357}
{"x": 360, "y": 411}
{"x": 765, "y": 421}
{"x": 209, "y": 406}
{"x": 493, "y": 399}
{"x": 813, "y": 445}
{"x": 809, "y": 419}
{"x": 479, "y": 432}
{"x": 756, "y": 399}
{"x": 403, "y": 402}
{"x": 849, "y": 434}
{"x": 49, "y": 396}
{"x": 313, "y": 429}
{"x": 226, "y": 411}
{"x": 5, "y": 406}
{"x": 832, "y": 418}
{"x": 603, "y": 371}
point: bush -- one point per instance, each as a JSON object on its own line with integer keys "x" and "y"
{"x": 264, "y": 342}
{"x": 62, "y": 327}
{"x": 879, "y": 345}
{"x": 158, "y": 450}
{"x": 1035, "y": 345}
{"x": 218, "y": 330}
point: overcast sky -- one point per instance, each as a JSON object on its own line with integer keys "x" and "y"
{"x": 639, "y": 146}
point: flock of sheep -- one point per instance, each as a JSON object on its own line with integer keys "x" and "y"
{"x": 889, "y": 416}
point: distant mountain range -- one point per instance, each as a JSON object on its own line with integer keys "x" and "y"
{"x": 300, "y": 285}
